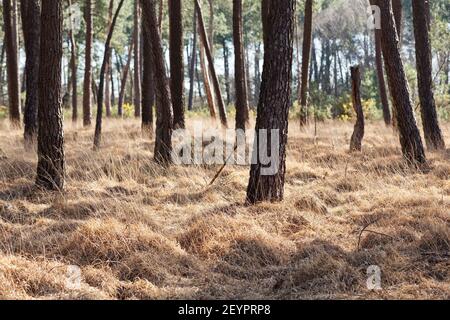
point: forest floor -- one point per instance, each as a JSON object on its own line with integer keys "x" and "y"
{"x": 140, "y": 232}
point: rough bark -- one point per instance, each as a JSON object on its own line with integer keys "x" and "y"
{"x": 358, "y": 132}
{"x": 31, "y": 14}
{"x": 87, "y": 116}
{"x": 432, "y": 131}
{"x": 148, "y": 85}
{"x": 215, "y": 79}
{"x": 50, "y": 168}
{"x": 12, "y": 65}
{"x": 242, "y": 115}
{"x": 306, "y": 56}
{"x": 193, "y": 63}
{"x": 274, "y": 102}
{"x": 410, "y": 139}
{"x": 176, "y": 62}
{"x": 397, "y": 7}
{"x": 164, "y": 113}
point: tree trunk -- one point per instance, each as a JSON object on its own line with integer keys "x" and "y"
{"x": 410, "y": 139}
{"x": 73, "y": 68}
{"x": 12, "y": 65}
{"x": 123, "y": 85}
{"x": 226, "y": 63}
{"x": 397, "y": 8}
{"x": 274, "y": 103}
{"x": 207, "y": 84}
{"x": 358, "y": 133}
{"x": 215, "y": 79}
{"x": 87, "y": 117}
{"x": 108, "y": 76}
{"x": 31, "y": 14}
{"x": 380, "y": 75}
{"x": 242, "y": 116}
{"x": 193, "y": 63}
{"x": 50, "y": 169}
{"x": 432, "y": 131}
{"x": 137, "y": 62}
{"x": 176, "y": 62}
{"x": 164, "y": 113}
{"x": 306, "y": 56}
{"x": 148, "y": 85}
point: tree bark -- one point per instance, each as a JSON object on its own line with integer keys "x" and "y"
{"x": 306, "y": 56}
{"x": 176, "y": 62}
{"x": 215, "y": 79}
{"x": 274, "y": 102}
{"x": 242, "y": 115}
{"x": 31, "y": 14}
{"x": 123, "y": 84}
{"x": 108, "y": 76}
{"x": 50, "y": 169}
{"x": 358, "y": 133}
{"x": 193, "y": 63}
{"x": 410, "y": 139}
{"x": 137, "y": 61}
{"x": 207, "y": 84}
{"x": 148, "y": 85}
{"x": 432, "y": 131}
{"x": 87, "y": 116}
{"x": 164, "y": 112}
{"x": 226, "y": 63}
{"x": 12, "y": 65}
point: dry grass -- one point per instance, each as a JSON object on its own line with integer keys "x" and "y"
{"x": 139, "y": 232}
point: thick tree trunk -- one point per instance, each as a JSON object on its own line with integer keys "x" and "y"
{"x": 12, "y": 65}
{"x": 31, "y": 14}
{"x": 215, "y": 79}
{"x": 358, "y": 133}
{"x": 50, "y": 169}
{"x": 164, "y": 113}
{"x": 274, "y": 103}
{"x": 193, "y": 63}
{"x": 242, "y": 115}
{"x": 137, "y": 61}
{"x": 432, "y": 131}
{"x": 306, "y": 56}
{"x": 410, "y": 139}
{"x": 397, "y": 8}
{"x": 176, "y": 62}
{"x": 87, "y": 116}
{"x": 123, "y": 85}
{"x": 101, "y": 86}
{"x": 148, "y": 85}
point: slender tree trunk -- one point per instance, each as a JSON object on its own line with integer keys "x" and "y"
{"x": 410, "y": 139}
{"x": 176, "y": 62}
{"x": 306, "y": 56}
{"x": 73, "y": 68}
{"x": 274, "y": 103}
{"x": 164, "y": 113}
{"x": 207, "y": 84}
{"x": 50, "y": 169}
{"x": 432, "y": 131}
{"x": 358, "y": 133}
{"x": 137, "y": 61}
{"x": 148, "y": 85}
{"x": 12, "y": 65}
{"x": 242, "y": 115}
{"x": 215, "y": 79}
{"x": 193, "y": 63}
{"x": 108, "y": 66}
{"x": 257, "y": 82}
{"x": 123, "y": 85}
{"x": 211, "y": 27}
{"x": 226, "y": 64}
{"x": 101, "y": 86}
{"x": 31, "y": 14}
{"x": 380, "y": 75}
{"x": 87, "y": 116}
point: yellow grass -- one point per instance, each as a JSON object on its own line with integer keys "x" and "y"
{"x": 140, "y": 232}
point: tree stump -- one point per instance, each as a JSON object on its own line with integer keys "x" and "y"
{"x": 358, "y": 133}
